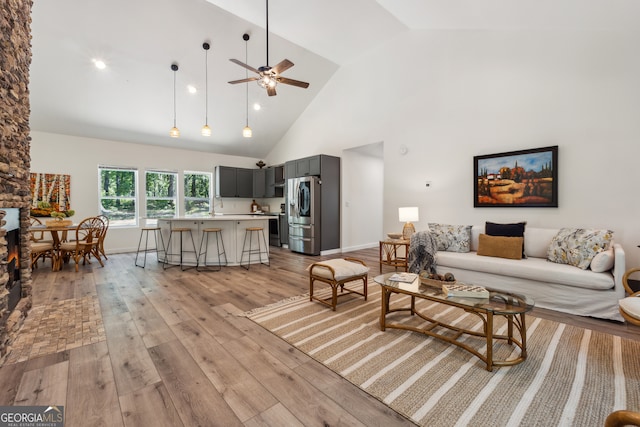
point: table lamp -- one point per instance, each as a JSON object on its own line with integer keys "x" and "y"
{"x": 407, "y": 215}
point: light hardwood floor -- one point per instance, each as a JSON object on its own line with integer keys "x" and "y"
{"x": 177, "y": 354}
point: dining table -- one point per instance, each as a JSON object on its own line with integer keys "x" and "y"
{"x": 59, "y": 234}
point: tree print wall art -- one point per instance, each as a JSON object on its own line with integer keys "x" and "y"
{"x": 50, "y": 193}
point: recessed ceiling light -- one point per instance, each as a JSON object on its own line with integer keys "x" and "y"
{"x": 256, "y": 106}
{"x": 192, "y": 89}
{"x": 99, "y": 64}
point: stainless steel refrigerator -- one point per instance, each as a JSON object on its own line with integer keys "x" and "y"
{"x": 303, "y": 213}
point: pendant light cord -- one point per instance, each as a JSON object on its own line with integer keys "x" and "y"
{"x": 206, "y": 86}
{"x": 246, "y": 73}
{"x": 174, "y": 97}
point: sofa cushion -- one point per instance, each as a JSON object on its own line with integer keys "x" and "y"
{"x": 603, "y": 261}
{"x": 500, "y": 246}
{"x": 507, "y": 230}
{"x": 343, "y": 269}
{"x": 538, "y": 269}
{"x": 537, "y": 241}
{"x": 578, "y": 246}
{"x": 631, "y": 306}
{"x": 451, "y": 238}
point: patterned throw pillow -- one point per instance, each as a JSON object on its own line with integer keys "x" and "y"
{"x": 451, "y": 238}
{"x": 578, "y": 246}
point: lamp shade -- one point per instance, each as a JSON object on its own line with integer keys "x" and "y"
{"x": 408, "y": 214}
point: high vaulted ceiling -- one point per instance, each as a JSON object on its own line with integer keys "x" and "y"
{"x": 132, "y": 99}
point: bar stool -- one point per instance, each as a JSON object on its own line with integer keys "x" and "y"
{"x": 145, "y": 232}
{"x": 249, "y": 233}
{"x": 217, "y": 232}
{"x": 181, "y": 231}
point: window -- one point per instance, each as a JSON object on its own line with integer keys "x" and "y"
{"x": 118, "y": 195}
{"x": 197, "y": 193}
{"x": 162, "y": 194}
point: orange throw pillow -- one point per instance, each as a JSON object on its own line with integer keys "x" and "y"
{"x": 500, "y": 246}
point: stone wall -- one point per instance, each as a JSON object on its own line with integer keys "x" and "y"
{"x": 15, "y": 59}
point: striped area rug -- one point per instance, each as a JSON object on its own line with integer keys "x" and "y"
{"x": 572, "y": 376}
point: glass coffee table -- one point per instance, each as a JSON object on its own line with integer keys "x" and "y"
{"x": 511, "y": 306}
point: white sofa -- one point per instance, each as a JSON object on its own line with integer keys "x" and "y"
{"x": 554, "y": 286}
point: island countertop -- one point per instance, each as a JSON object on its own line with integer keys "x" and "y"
{"x": 233, "y": 229}
{"x": 223, "y": 217}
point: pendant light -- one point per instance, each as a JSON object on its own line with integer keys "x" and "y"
{"x": 174, "y": 132}
{"x": 206, "y": 130}
{"x": 246, "y": 131}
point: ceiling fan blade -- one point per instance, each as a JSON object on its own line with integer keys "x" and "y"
{"x": 242, "y": 64}
{"x": 271, "y": 91}
{"x": 250, "y": 79}
{"x": 282, "y": 66}
{"x": 292, "y": 82}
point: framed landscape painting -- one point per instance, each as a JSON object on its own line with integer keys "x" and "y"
{"x": 526, "y": 178}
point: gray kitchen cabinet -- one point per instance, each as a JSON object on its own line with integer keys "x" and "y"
{"x": 244, "y": 185}
{"x": 234, "y": 182}
{"x": 260, "y": 183}
{"x": 305, "y": 167}
{"x": 225, "y": 181}
{"x": 290, "y": 169}
{"x": 274, "y": 181}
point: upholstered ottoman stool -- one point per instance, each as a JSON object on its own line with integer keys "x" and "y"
{"x": 337, "y": 273}
{"x": 630, "y": 306}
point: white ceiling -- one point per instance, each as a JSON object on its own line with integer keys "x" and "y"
{"x": 132, "y": 100}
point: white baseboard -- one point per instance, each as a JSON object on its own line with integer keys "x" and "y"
{"x": 358, "y": 247}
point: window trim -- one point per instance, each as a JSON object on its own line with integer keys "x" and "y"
{"x": 176, "y": 199}
{"x": 185, "y": 198}
{"x": 135, "y": 198}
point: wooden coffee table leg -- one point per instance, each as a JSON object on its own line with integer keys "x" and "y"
{"x": 523, "y": 336}
{"x": 385, "y": 306}
{"x": 509, "y": 329}
{"x": 489, "y": 333}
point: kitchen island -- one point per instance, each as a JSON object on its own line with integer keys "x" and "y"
{"x": 233, "y": 233}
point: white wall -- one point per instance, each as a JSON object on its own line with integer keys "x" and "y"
{"x": 450, "y": 95}
{"x": 80, "y": 158}
{"x": 362, "y": 196}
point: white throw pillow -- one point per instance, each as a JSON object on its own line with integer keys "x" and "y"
{"x": 603, "y": 261}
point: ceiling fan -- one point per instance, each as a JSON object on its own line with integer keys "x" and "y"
{"x": 269, "y": 77}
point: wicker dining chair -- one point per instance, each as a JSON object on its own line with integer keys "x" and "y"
{"x": 104, "y": 219}
{"x": 86, "y": 243}
{"x": 41, "y": 248}
{"x": 38, "y": 236}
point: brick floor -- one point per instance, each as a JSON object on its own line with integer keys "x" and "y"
{"x": 60, "y": 326}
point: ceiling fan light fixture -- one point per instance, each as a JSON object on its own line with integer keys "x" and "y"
{"x": 267, "y": 81}
{"x": 174, "y": 132}
{"x": 268, "y": 77}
